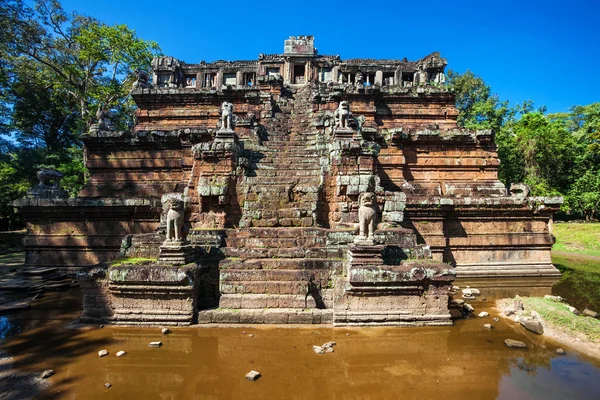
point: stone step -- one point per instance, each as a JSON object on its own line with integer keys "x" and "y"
{"x": 243, "y": 253}
{"x": 284, "y": 180}
{"x": 271, "y": 287}
{"x": 319, "y": 299}
{"x": 266, "y": 172}
{"x": 273, "y": 242}
{"x": 276, "y": 233}
{"x": 284, "y": 263}
{"x": 320, "y": 278}
{"x": 283, "y": 168}
{"x": 282, "y": 222}
{"x": 284, "y": 188}
{"x": 265, "y": 316}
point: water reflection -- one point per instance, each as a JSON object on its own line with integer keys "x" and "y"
{"x": 368, "y": 363}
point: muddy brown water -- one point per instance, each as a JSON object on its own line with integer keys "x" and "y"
{"x": 462, "y": 361}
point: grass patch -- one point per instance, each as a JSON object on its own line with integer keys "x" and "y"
{"x": 558, "y": 316}
{"x": 131, "y": 261}
{"x": 572, "y": 262}
{"x": 578, "y": 238}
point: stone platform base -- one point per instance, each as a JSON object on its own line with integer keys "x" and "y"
{"x": 507, "y": 270}
{"x": 150, "y": 294}
{"x": 414, "y": 293}
{"x": 265, "y": 316}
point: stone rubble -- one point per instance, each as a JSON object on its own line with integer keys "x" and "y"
{"x": 253, "y": 375}
{"x": 47, "y": 374}
{"x": 325, "y": 348}
{"x": 515, "y": 344}
{"x": 533, "y": 325}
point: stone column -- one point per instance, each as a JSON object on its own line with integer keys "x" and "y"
{"x": 379, "y": 78}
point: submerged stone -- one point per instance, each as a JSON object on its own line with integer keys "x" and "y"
{"x": 515, "y": 344}
{"x": 253, "y": 375}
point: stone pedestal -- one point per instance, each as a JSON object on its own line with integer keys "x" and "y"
{"x": 410, "y": 294}
{"x": 176, "y": 253}
{"x": 365, "y": 252}
{"x": 343, "y": 133}
{"x": 144, "y": 294}
{"x": 225, "y": 134}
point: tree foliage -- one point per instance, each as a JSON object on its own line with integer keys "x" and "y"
{"x": 56, "y": 71}
{"x": 556, "y": 154}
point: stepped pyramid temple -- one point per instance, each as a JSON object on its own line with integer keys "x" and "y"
{"x": 295, "y": 188}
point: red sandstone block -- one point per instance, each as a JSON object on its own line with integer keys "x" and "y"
{"x": 274, "y": 316}
{"x": 301, "y": 317}
{"x": 293, "y": 287}
{"x": 272, "y": 287}
{"x": 254, "y": 301}
{"x": 291, "y": 252}
{"x": 226, "y": 317}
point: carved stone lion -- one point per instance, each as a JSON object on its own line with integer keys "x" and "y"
{"x": 175, "y": 220}
{"x": 226, "y": 116}
{"x": 366, "y": 215}
{"x": 342, "y": 115}
{"x": 49, "y": 178}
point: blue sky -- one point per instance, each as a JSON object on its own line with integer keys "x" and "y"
{"x": 547, "y": 51}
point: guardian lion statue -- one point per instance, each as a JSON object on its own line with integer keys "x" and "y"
{"x": 49, "y": 178}
{"x": 366, "y": 215}
{"x": 226, "y": 116}
{"x": 342, "y": 115}
{"x": 175, "y": 220}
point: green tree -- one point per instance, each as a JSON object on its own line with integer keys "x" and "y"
{"x": 584, "y": 195}
{"x": 478, "y": 107}
{"x": 56, "y": 71}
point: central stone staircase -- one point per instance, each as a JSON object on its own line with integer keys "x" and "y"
{"x": 284, "y": 181}
{"x": 277, "y": 267}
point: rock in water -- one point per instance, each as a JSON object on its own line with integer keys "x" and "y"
{"x": 107, "y": 385}
{"x": 253, "y": 375}
{"x": 483, "y": 314}
{"x": 155, "y": 344}
{"x": 102, "y": 353}
{"x": 561, "y": 351}
{"x": 47, "y": 374}
{"x": 165, "y": 331}
{"x": 488, "y": 326}
{"x": 469, "y": 307}
{"x": 532, "y": 325}
{"x": 121, "y": 353}
{"x": 318, "y": 350}
{"x": 590, "y": 313}
{"x": 515, "y": 344}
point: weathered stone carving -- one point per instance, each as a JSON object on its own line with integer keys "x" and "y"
{"x": 49, "y": 185}
{"x": 143, "y": 81}
{"x": 359, "y": 80}
{"x": 227, "y": 122}
{"x": 366, "y": 216}
{"x": 175, "y": 220}
{"x": 49, "y": 178}
{"x": 342, "y": 115}
{"x": 519, "y": 190}
{"x": 104, "y": 118}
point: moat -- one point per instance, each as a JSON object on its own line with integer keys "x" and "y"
{"x": 368, "y": 363}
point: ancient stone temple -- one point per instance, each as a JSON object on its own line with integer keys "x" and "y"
{"x": 295, "y": 188}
